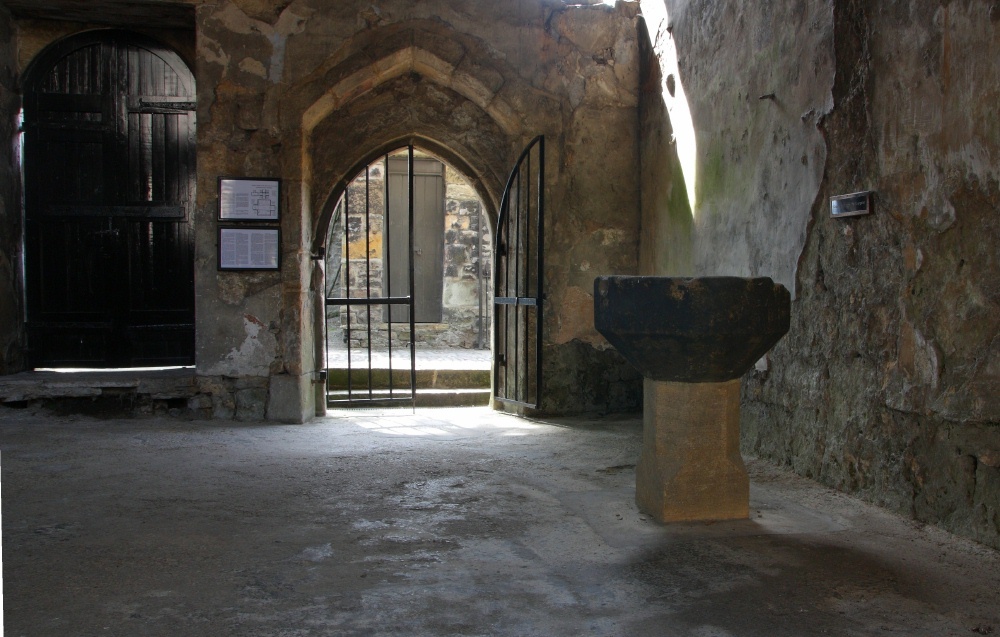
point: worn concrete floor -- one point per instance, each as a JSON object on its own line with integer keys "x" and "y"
{"x": 449, "y": 522}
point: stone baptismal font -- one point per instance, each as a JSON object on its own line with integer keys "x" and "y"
{"x": 692, "y": 339}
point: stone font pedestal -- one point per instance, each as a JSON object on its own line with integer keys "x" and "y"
{"x": 690, "y": 467}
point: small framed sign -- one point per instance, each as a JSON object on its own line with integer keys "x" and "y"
{"x": 249, "y": 248}
{"x": 249, "y": 199}
{"x": 852, "y": 205}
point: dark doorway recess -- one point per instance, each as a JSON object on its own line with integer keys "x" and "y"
{"x": 109, "y": 154}
{"x": 519, "y": 282}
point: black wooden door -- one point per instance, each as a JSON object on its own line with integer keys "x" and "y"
{"x": 109, "y": 192}
{"x": 518, "y": 282}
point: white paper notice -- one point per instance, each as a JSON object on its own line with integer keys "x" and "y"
{"x": 248, "y": 248}
{"x": 248, "y": 199}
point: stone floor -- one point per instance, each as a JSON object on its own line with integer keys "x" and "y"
{"x": 446, "y": 522}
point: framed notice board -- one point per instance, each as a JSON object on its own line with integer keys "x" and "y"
{"x": 249, "y": 248}
{"x": 249, "y": 199}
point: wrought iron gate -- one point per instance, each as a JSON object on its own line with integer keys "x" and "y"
{"x": 363, "y": 290}
{"x": 518, "y": 282}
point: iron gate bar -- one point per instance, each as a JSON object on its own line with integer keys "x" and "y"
{"x": 368, "y": 275}
{"x": 517, "y": 276}
{"x": 347, "y": 286}
{"x": 540, "y": 265}
{"x": 527, "y": 271}
{"x": 412, "y": 291}
{"x": 479, "y": 277}
{"x": 387, "y": 267}
{"x": 516, "y": 249}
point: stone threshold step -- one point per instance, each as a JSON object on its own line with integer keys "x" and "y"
{"x": 426, "y": 379}
{"x": 156, "y": 384}
{"x": 424, "y": 398}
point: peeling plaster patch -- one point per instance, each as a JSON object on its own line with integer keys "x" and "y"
{"x": 612, "y": 237}
{"x": 926, "y": 368}
{"x": 254, "y": 355}
{"x": 254, "y": 67}
{"x": 977, "y": 159}
{"x": 278, "y": 41}
{"x": 913, "y": 258}
{"x": 234, "y": 19}
{"x": 941, "y": 216}
{"x": 287, "y": 25}
{"x": 915, "y": 377}
{"x": 212, "y": 52}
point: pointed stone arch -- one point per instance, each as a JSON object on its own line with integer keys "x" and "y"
{"x": 412, "y": 59}
{"x": 418, "y": 82}
{"x": 489, "y": 194}
{"x": 406, "y": 98}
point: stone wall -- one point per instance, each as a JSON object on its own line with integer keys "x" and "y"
{"x": 313, "y": 91}
{"x": 468, "y": 267}
{"x": 731, "y": 154}
{"x": 11, "y": 287}
{"x": 886, "y": 385}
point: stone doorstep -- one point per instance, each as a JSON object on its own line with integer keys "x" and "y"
{"x": 453, "y": 397}
{"x": 424, "y": 398}
{"x": 165, "y": 384}
{"x": 426, "y": 378}
{"x": 436, "y": 388}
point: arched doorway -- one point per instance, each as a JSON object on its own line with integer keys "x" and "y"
{"x": 408, "y": 221}
{"x": 109, "y": 197}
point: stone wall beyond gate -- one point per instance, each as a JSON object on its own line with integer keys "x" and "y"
{"x": 467, "y": 292}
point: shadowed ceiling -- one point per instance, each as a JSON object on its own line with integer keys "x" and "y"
{"x": 167, "y": 14}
